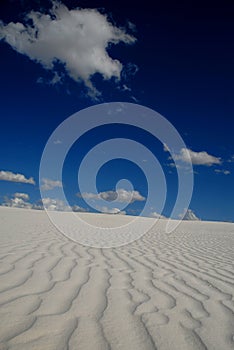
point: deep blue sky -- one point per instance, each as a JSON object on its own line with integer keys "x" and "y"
{"x": 184, "y": 53}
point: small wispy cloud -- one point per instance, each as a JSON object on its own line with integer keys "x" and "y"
{"x": 222, "y": 171}
{"x": 15, "y": 177}
{"x": 231, "y": 160}
{"x": 48, "y": 184}
{"x": 57, "y": 142}
{"x": 166, "y": 148}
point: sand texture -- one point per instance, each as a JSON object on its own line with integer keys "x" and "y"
{"x": 167, "y": 292}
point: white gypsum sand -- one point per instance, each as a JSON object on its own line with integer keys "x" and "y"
{"x": 160, "y": 292}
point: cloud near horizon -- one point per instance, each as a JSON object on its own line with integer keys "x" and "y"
{"x": 188, "y": 215}
{"x": 157, "y": 215}
{"x": 12, "y": 177}
{"x": 21, "y": 195}
{"x": 106, "y": 210}
{"x": 21, "y": 200}
{"x": 121, "y": 196}
{"x": 78, "y": 39}
{"x": 55, "y": 204}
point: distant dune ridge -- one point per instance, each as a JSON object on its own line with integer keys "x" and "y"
{"x": 160, "y": 292}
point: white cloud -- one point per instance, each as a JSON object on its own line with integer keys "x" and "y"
{"x": 166, "y": 148}
{"x": 231, "y": 160}
{"x": 37, "y": 206}
{"x": 19, "y": 200}
{"x": 188, "y": 215}
{"x": 57, "y": 142}
{"x": 24, "y": 196}
{"x": 78, "y": 39}
{"x": 107, "y": 210}
{"x": 57, "y": 78}
{"x": 222, "y": 171}
{"x": 59, "y": 205}
{"x": 79, "y": 209}
{"x": 55, "y": 204}
{"x": 173, "y": 165}
{"x": 121, "y": 196}
{"x": 9, "y": 176}
{"x": 156, "y": 215}
{"x": 126, "y": 88}
{"x": 49, "y": 184}
{"x": 197, "y": 158}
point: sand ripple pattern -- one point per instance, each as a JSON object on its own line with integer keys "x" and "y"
{"x": 161, "y": 292}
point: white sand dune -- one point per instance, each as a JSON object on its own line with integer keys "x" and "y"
{"x": 160, "y": 292}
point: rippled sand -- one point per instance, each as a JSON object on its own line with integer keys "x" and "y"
{"x": 160, "y": 292}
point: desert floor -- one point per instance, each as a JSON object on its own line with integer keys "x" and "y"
{"x": 167, "y": 292}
